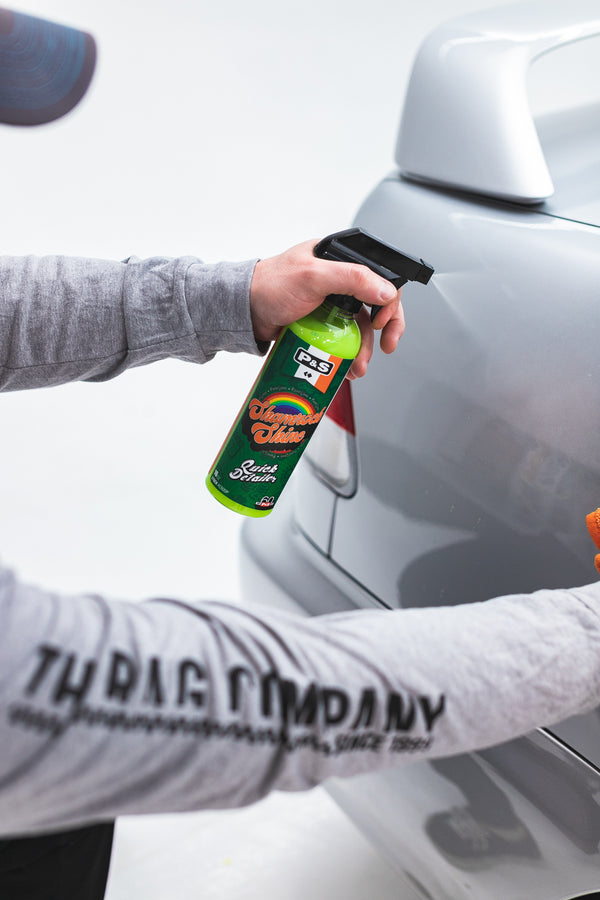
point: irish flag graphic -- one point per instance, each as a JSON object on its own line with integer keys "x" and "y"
{"x": 316, "y": 366}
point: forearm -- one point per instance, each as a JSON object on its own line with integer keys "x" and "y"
{"x": 111, "y": 708}
{"x": 66, "y": 319}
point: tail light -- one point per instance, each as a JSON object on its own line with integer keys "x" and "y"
{"x": 332, "y": 449}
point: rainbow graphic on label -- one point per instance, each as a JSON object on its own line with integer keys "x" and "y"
{"x": 290, "y": 404}
{"x": 281, "y": 422}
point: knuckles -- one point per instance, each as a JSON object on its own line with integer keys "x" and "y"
{"x": 360, "y": 281}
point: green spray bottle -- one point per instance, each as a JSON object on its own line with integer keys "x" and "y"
{"x": 298, "y": 381}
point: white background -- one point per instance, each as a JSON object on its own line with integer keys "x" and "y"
{"x": 227, "y": 131}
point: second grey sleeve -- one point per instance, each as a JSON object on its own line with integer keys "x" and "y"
{"x": 109, "y": 708}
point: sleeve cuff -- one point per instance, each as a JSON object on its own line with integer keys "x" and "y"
{"x": 218, "y": 300}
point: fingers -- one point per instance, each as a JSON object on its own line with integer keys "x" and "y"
{"x": 349, "y": 278}
{"x": 360, "y": 363}
{"x": 390, "y": 320}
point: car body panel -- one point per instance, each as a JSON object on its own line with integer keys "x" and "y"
{"x": 542, "y": 790}
{"x": 477, "y": 474}
{"x": 282, "y": 566}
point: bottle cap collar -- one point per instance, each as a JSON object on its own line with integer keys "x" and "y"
{"x": 345, "y": 301}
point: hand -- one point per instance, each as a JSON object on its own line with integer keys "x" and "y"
{"x": 291, "y": 285}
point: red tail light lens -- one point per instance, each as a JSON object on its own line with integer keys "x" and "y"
{"x": 341, "y": 410}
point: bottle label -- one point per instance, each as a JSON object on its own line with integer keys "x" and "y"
{"x": 280, "y": 415}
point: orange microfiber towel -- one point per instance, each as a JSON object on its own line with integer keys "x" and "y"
{"x": 593, "y": 523}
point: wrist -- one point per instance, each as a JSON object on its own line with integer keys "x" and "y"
{"x": 264, "y": 331}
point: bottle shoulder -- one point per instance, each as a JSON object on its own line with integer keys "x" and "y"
{"x": 337, "y": 335}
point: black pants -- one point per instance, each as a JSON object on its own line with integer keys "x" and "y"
{"x": 70, "y": 865}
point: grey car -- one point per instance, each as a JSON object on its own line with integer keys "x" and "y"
{"x": 463, "y": 466}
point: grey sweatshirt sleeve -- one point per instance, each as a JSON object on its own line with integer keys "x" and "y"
{"x": 64, "y": 319}
{"x": 110, "y": 708}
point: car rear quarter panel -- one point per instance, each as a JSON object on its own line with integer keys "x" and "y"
{"x": 541, "y": 793}
{"x": 478, "y": 439}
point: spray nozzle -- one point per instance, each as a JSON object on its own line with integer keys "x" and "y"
{"x": 358, "y": 246}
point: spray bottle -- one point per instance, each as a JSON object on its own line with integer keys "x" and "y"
{"x": 298, "y": 381}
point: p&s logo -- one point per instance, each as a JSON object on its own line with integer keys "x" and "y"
{"x": 316, "y": 366}
{"x": 304, "y": 358}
